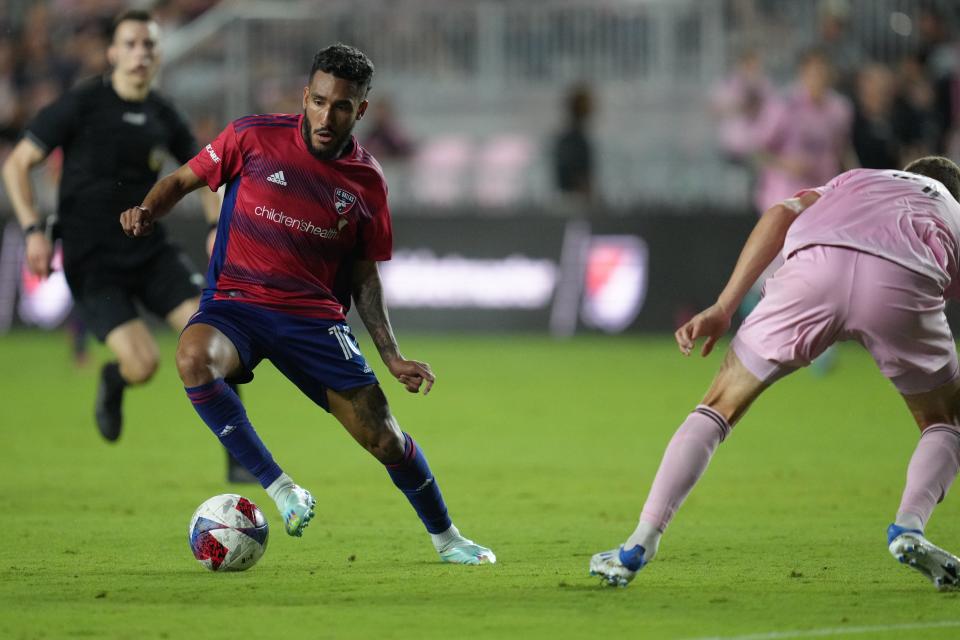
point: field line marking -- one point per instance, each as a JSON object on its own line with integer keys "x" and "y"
{"x": 836, "y": 631}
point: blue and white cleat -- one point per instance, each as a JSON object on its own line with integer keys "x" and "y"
{"x": 297, "y": 510}
{"x": 618, "y": 566}
{"x": 463, "y": 551}
{"x": 910, "y": 547}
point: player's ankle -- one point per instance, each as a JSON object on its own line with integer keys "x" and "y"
{"x": 278, "y": 489}
{"x": 909, "y": 521}
{"x": 647, "y": 536}
{"x": 441, "y": 541}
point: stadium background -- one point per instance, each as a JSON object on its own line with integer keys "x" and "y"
{"x": 476, "y": 93}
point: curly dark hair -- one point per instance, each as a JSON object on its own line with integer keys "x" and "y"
{"x": 346, "y": 62}
{"x": 944, "y": 170}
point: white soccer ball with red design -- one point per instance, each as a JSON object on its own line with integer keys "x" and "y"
{"x": 228, "y": 533}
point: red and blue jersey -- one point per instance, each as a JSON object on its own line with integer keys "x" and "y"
{"x": 291, "y": 225}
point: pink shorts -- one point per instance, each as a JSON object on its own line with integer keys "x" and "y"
{"x": 824, "y": 294}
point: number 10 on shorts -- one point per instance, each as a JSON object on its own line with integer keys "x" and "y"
{"x": 342, "y": 333}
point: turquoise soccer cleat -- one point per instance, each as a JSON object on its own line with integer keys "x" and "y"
{"x": 618, "y": 567}
{"x": 463, "y": 551}
{"x": 297, "y": 510}
{"x": 912, "y": 549}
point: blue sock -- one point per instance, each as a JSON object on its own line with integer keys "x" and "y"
{"x": 412, "y": 476}
{"x": 223, "y": 412}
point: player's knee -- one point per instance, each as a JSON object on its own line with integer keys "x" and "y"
{"x": 727, "y": 405}
{"x": 194, "y": 364}
{"x": 139, "y": 369}
{"x": 386, "y": 446}
{"x": 938, "y": 407}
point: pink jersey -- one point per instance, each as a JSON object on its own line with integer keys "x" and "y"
{"x": 291, "y": 225}
{"x": 903, "y": 217}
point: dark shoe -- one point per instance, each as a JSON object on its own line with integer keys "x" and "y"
{"x": 236, "y": 472}
{"x": 108, "y": 408}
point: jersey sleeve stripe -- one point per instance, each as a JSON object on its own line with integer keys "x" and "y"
{"x": 267, "y": 118}
{"x": 280, "y": 125}
{"x": 37, "y": 141}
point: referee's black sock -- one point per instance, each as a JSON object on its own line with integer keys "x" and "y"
{"x": 108, "y": 407}
{"x": 111, "y": 375}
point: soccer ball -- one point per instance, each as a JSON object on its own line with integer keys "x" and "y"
{"x": 228, "y": 533}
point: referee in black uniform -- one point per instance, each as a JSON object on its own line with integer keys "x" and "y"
{"x": 114, "y": 131}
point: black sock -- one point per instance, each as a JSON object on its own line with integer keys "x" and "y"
{"x": 111, "y": 374}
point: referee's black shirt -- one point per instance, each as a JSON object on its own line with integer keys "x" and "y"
{"x": 113, "y": 151}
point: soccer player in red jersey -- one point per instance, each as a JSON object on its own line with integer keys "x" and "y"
{"x": 304, "y": 222}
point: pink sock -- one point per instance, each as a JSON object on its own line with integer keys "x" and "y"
{"x": 683, "y": 463}
{"x": 932, "y": 468}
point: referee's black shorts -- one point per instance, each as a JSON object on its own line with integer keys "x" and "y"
{"x": 106, "y": 295}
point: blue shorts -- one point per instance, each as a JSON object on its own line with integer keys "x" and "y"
{"x": 313, "y": 353}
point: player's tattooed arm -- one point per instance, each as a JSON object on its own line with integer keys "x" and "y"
{"x": 368, "y": 299}
{"x": 369, "y": 302}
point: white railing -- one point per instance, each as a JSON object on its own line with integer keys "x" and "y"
{"x": 474, "y": 74}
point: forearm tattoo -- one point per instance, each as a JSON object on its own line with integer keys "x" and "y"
{"x": 368, "y": 296}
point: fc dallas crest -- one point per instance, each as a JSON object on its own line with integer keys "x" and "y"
{"x": 344, "y": 200}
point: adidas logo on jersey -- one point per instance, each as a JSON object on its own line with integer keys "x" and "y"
{"x": 278, "y": 178}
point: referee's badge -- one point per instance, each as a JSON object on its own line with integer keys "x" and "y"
{"x": 156, "y": 158}
{"x": 344, "y": 200}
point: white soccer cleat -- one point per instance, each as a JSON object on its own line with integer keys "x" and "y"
{"x": 463, "y": 551}
{"x": 297, "y": 509}
{"x": 912, "y": 549}
{"x": 618, "y": 567}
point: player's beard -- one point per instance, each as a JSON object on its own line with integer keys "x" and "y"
{"x": 333, "y": 151}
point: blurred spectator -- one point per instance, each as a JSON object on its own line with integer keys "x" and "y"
{"x": 935, "y": 48}
{"x": 875, "y": 138}
{"x": 805, "y": 136}
{"x": 573, "y": 147}
{"x": 738, "y": 101}
{"x": 11, "y": 112}
{"x": 385, "y": 138}
{"x": 938, "y": 52}
{"x": 950, "y": 88}
{"x": 39, "y": 61}
{"x": 915, "y": 113}
{"x": 838, "y": 44}
{"x": 84, "y": 47}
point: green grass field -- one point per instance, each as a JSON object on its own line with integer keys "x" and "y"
{"x": 544, "y": 451}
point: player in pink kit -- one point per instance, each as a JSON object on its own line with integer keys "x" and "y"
{"x": 870, "y": 257}
{"x": 303, "y": 225}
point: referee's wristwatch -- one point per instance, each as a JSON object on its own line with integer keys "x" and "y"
{"x": 36, "y": 227}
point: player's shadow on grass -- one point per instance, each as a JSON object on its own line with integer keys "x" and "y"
{"x": 590, "y": 585}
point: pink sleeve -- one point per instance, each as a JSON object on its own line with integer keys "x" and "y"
{"x": 220, "y": 161}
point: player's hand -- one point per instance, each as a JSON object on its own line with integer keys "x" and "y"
{"x": 711, "y": 323}
{"x": 39, "y": 253}
{"x": 412, "y": 374}
{"x": 137, "y": 221}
